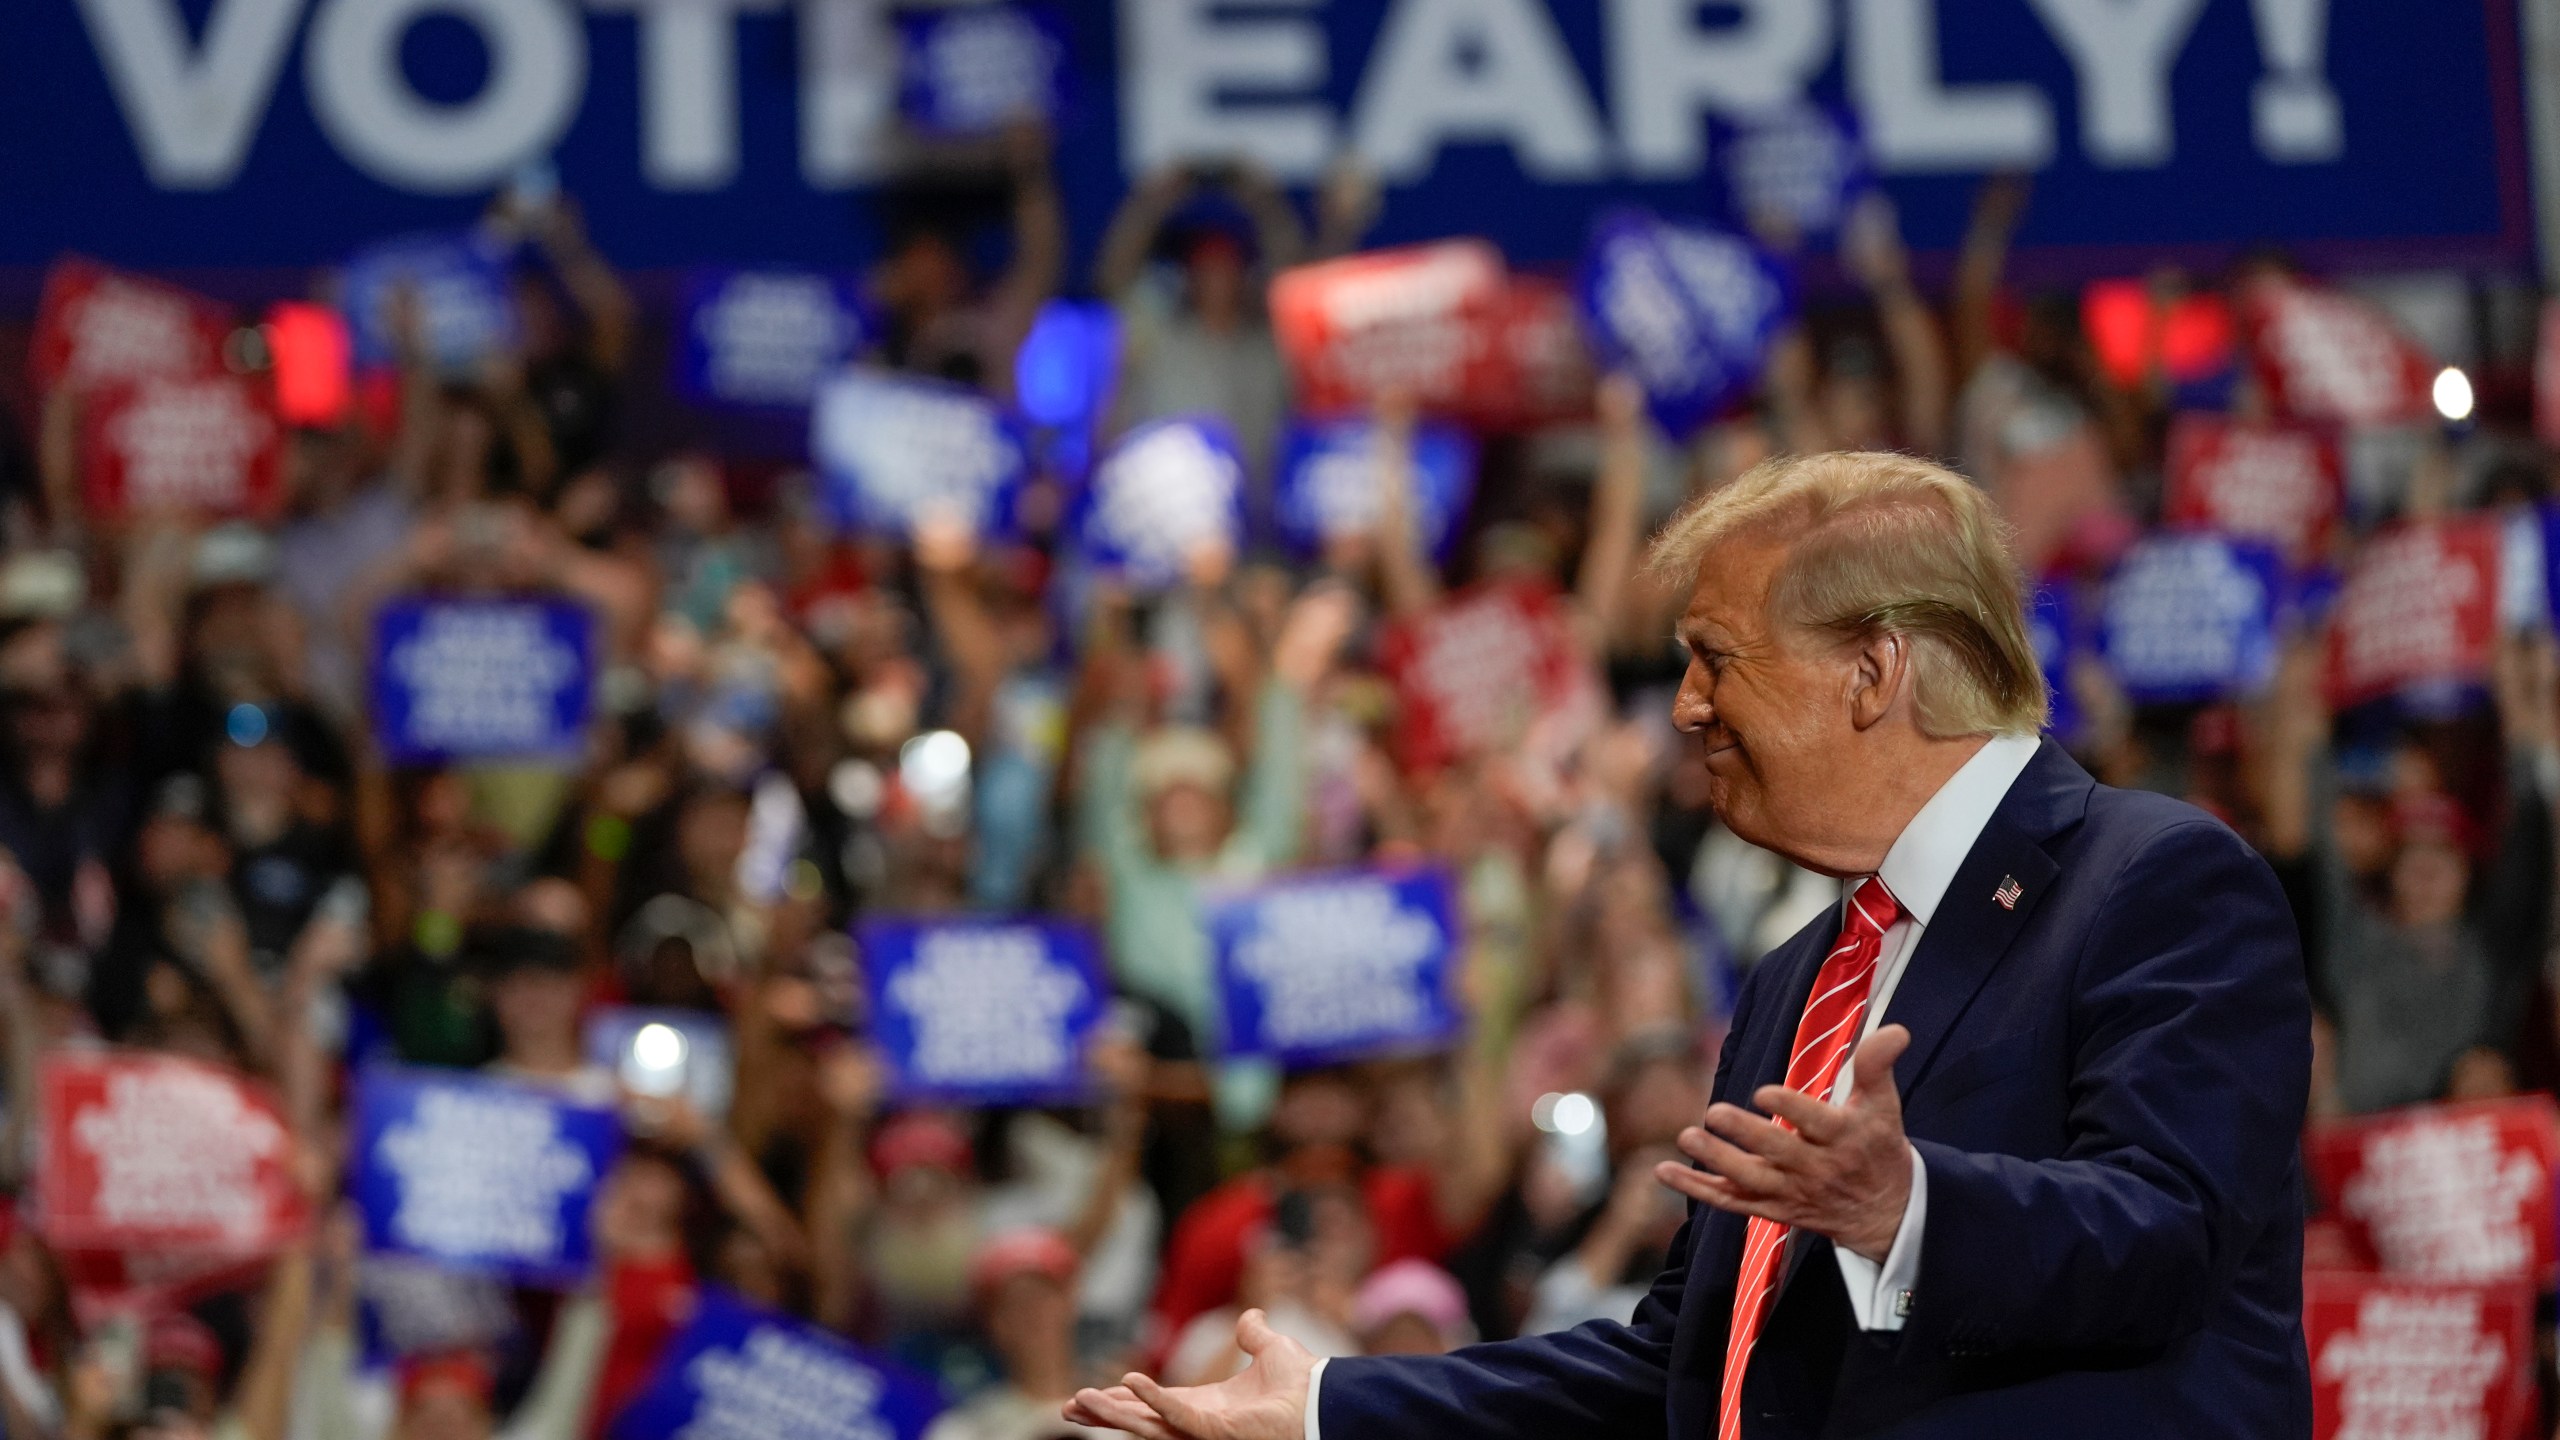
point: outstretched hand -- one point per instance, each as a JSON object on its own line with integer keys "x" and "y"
{"x": 1842, "y": 1171}
{"x": 1267, "y": 1400}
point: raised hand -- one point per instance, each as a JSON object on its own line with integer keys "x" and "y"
{"x": 1267, "y": 1400}
{"x": 1843, "y": 1172}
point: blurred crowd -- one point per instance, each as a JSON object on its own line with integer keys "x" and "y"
{"x": 207, "y": 854}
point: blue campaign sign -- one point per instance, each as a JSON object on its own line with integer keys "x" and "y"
{"x": 892, "y": 451}
{"x": 284, "y": 133}
{"x": 1167, "y": 489}
{"x": 1328, "y": 483}
{"x": 983, "y": 1012}
{"x": 1320, "y": 968}
{"x": 2191, "y": 617}
{"x": 1688, "y": 310}
{"x": 765, "y": 337}
{"x": 482, "y": 679}
{"x": 479, "y": 1174}
{"x": 466, "y": 306}
{"x": 740, "y": 1372}
{"x": 972, "y": 69}
{"x": 1798, "y": 167}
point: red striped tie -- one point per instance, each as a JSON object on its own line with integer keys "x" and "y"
{"x": 1832, "y": 1020}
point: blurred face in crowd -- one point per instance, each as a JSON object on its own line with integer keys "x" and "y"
{"x": 1320, "y": 1121}
{"x": 232, "y": 641}
{"x": 1215, "y": 275}
{"x": 2360, "y": 830}
{"x": 709, "y": 838}
{"x": 1030, "y": 1316}
{"x": 1188, "y": 821}
{"x": 441, "y": 1409}
{"x": 1657, "y": 1100}
{"x": 1767, "y": 708}
{"x": 2428, "y": 880}
{"x": 322, "y": 466}
{"x": 1405, "y": 1334}
{"x": 925, "y": 276}
{"x": 537, "y": 1010}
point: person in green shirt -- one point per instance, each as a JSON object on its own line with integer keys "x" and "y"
{"x": 1163, "y": 818}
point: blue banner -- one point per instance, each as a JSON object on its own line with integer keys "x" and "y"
{"x": 284, "y": 133}
{"x": 1321, "y": 968}
{"x": 1796, "y": 169}
{"x": 1166, "y": 490}
{"x": 482, "y": 679}
{"x": 740, "y": 1372}
{"x": 466, "y": 307}
{"x": 765, "y": 337}
{"x": 2191, "y": 617}
{"x": 1689, "y": 311}
{"x": 1328, "y": 485}
{"x": 972, "y": 69}
{"x": 894, "y": 451}
{"x": 983, "y": 1012}
{"x": 480, "y": 1174}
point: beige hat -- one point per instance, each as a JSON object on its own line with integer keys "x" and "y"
{"x": 1178, "y": 754}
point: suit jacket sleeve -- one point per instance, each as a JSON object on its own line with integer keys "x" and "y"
{"x": 2190, "y": 1030}
{"x": 1598, "y": 1381}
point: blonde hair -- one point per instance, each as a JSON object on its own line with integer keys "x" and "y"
{"x": 1880, "y": 543}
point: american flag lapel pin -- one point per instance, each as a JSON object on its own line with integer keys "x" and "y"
{"x": 2008, "y": 892}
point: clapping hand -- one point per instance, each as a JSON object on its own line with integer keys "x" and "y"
{"x": 1843, "y": 1171}
{"x": 1267, "y": 1400}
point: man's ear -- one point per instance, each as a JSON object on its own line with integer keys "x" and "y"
{"x": 1880, "y": 667}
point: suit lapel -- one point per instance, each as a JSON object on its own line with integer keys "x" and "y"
{"x": 1996, "y": 891}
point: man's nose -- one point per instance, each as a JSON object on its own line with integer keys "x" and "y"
{"x": 1694, "y": 708}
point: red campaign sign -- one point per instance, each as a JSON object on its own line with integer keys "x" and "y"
{"x": 175, "y": 1167}
{"x": 1535, "y": 369}
{"x": 2410, "y": 1360}
{"x": 2328, "y": 356}
{"x": 1417, "y": 319}
{"x": 2546, "y": 375}
{"x": 1476, "y": 675}
{"x": 99, "y": 326}
{"x": 2419, "y": 607}
{"x": 2445, "y": 1192}
{"x": 210, "y": 444}
{"x": 2271, "y": 481}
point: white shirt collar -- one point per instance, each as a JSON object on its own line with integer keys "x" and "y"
{"x": 1923, "y": 860}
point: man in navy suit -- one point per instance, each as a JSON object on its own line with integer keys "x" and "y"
{"x": 2057, "y": 1194}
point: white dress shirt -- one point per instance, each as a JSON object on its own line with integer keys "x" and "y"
{"x": 1917, "y": 871}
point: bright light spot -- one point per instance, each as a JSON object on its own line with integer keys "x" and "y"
{"x": 1575, "y": 1113}
{"x": 934, "y": 761}
{"x": 658, "y": 1047}
{"x": 856, "y": 787}
{"x": 2453, "y": 393}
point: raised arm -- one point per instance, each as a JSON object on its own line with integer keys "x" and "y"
{"x": 1134, "y": 227}
{"x": 1407, "y": 580}
{"x": 1996, "y": 210}
{"x": 1039, "y": 260}
{"x": 1874, "y": 251}
{"x": 1617, "y": 501}
{"x": 612, "y": 315}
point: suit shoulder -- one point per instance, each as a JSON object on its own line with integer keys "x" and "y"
{"x": 2142, "y": 825}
